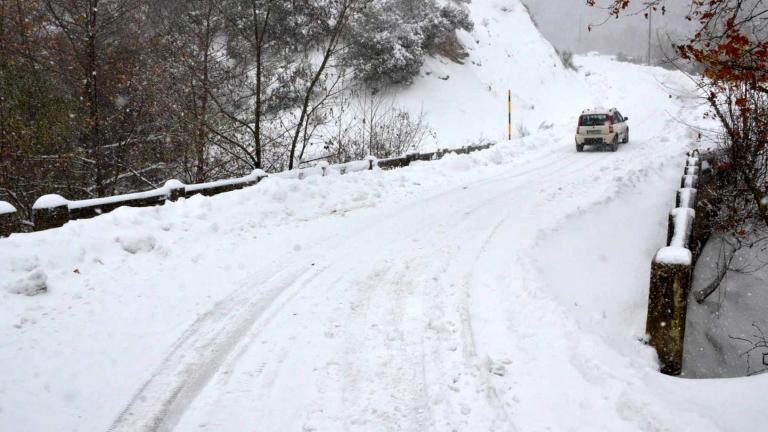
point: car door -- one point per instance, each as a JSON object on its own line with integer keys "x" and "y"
{"x": 621, "y": 124}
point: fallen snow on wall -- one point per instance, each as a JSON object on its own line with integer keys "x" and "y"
{"x": 674, "y": 255}
{"x": 52, "y": 200}
{"x": 677, "y": 251}
{"x": 6, "y": 208}
{"x": 687, "y": 197}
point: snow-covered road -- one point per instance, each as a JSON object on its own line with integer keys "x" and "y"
{"x": 503, "y": 290}
{"x": 400, "y": 321}
{"x": 435, "y": 314}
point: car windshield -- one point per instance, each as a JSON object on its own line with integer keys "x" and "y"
{"x": 593, "y": 120}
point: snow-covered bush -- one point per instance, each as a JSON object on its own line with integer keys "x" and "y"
{"x": 384, "y": 47}
{"x": 566, "y": 57}
{"x": 390, "y": 38}
{"x": 440, "y": 27}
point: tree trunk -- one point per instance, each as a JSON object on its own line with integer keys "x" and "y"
{"x": 91, "y": 96}
{"x": 202, "y": 129}
{"x": 259, "y": 39}
{"x": 332, "y": 43}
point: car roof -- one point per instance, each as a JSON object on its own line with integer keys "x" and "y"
{"x": 598, "y": 111}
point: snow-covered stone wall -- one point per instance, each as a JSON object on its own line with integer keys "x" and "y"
{"x": 8, "y": 219}
{"x": 671, "y": 275}
{"x": 52, "y": 211}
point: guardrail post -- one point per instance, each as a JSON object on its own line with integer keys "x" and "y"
{"x": 256, "y": 176}
{"x": 667, "y": 304}
{"x": 689, "y": 181}
{"x": 674, "y": 222}
{"x": 176, "y": 189}
{"x": 8, "y": 219}
{"x": 323, "y": 167}
{"x": 50, "y": 211}
{"x": 371, "y": 162}
{"x": 705, "y": 212}
{"x": 686, "y": 197}
{"x": 671, "y": 276}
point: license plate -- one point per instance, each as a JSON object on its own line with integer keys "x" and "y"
{"x": 594, "y": 132}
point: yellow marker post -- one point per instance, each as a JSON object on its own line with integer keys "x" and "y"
{"x": 509, "y": 114}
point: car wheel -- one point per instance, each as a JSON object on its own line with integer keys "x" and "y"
{"x": 579, "y": 148}
{"x": 615, "y": 145}
{"x": 626, "y": 137}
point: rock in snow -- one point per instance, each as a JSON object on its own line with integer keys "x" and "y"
{"x": 134, "y": 244}
{"x": 32, "y": 284}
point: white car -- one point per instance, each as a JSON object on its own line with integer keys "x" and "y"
{"x": 603, "y": 127}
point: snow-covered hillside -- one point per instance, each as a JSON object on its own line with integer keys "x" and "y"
{"x": 506, "y": 52}
{"x": 503, "y": 290}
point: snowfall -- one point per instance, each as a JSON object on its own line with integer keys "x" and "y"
{"x": 504, "y": 290}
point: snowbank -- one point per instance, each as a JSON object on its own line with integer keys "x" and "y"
{"x": 31, "y": 284}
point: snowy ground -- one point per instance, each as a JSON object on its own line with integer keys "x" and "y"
{"x": 721, "y": 330}
{"x": 503, "y": 290}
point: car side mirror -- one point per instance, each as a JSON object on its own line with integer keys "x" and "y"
{"x": 626, "y": 118}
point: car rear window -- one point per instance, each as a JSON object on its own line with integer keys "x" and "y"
{"x": 593, "y": 119}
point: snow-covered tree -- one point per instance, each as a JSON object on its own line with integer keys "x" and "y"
{"x": 390, "y": 39}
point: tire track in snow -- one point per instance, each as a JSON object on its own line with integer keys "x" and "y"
{"x": 198, "y": 353}
{"x": 195, "y": 357}
{"x": 454, "y": 361}
{"x": 386, "y": 387}
{"x": 479, "y": 369}
{"x": 469, "y": 359}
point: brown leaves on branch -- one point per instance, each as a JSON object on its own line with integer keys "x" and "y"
{"x": 731, "y": 43}
{"x": 731, "y": 47}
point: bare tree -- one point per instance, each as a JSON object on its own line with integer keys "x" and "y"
{"x": 34, "y": 115}
{"x": 757, "y": 346}
{"x": 99, "y": 49}
{"x": 371, "y": 124}
{"x": 250, "y": 23}
{"x": 193, "y": 56}
{"x": 339, "y": 18}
